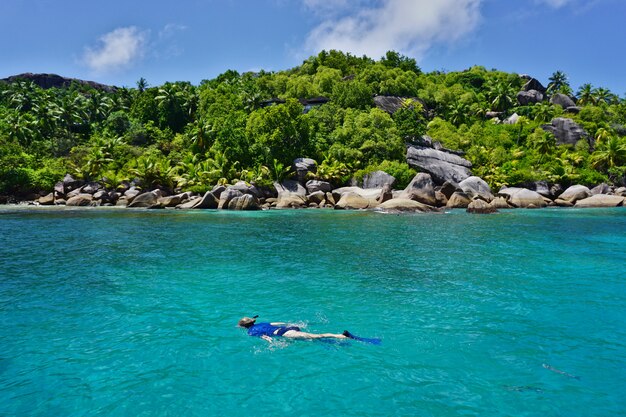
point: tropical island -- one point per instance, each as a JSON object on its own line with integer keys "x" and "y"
{"x": 337, "y": 131}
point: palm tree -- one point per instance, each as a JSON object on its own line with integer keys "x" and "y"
{"x": 153, "y": 170}
{"x": 220, "y": 169}
{"x": 192, "y": 171}
{"x": 142, "y": 84}
{"x": 122, "y": 99}
{"x": 177, "y": 104}
{"x": 201, "y": 135}
{"x": 279, "y": 171}
{"x": 259, "y": 175}
{"x": 99, "y": 106}
{"x": 20, "y": 95}
{"x": 479, "y": 109}
{"x": 610, "y": 154}
{"x": 558, "y": 83}
{"x": 501, "y": 96}
{"x": 602, "y": 135}
{"x": 603, "y": 96}
{"x": 69, "y": 112}
{"x": 189, "y": 99}
{"x": 44, "y": 121}
{"x": 457, "y": 113}
{"x": 585, "y": 95}
{"x": 251, "y": 100}
{"x": 21, "y": 128}
{"x": 544, "y": 143}
{"x": 97, "y": 159}
{"x": 113, "y": 179}
{"x": 166, "y": 96}
{"x": 544, "y": 112}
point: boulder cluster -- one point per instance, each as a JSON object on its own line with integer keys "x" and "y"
{"x": 445, "y": 182}
{"x": 564, "y": 129}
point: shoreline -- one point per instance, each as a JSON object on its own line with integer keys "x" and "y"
{"x": 6, "y": 208}
{"x": 425, "y": 193}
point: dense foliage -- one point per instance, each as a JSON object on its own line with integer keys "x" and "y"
{"x": 251, "y": 126}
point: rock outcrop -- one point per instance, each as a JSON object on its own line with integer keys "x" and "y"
{"x": 562, "y": 100}
{"x": 441, "y": 164}
{"x": 189, "y": 204}
{"x": 526, "y": 98}
{"x": 317, "y": 197}
{"x": 512, "y": 119}
{"x": 316, "y": 185}
{"x": 405, "y": 205}
{"x": 369, "y": 194}
{"x": 542, "y": 188}
{"x": 46, "y": 81}
{"x": 392, "y": 104}
{"x": 575, "y": 193}
{"x": 386, "y": 194}
{"x": 566, "y": 131}
{"x": 208, "y": 201}
{"x": 476, "y": 187}
{"x": 354, "y": 201}
{"x": 80, "y": 200}
{"x": 441, "y": 198}
{"x": 421, "y": 189}
{"x": 226, "y": 197}
{"x": 522, "y": 197}
{"x": 481, "y": 207}
{"x": 145, "y": 200}
{"x": 131, "y": 193}
{"x": 533, "y": 84}
{"x": 448, "y": 188}
{"x": 458, "y": 199}
{"x": 499, "y": 203}
{"x": 47, "y": 200}
{"x": 302, "y": 167}
{"x": 245, "y": 188}
{"x": 69, "y": 184}
{"x": 601, "y": 200}
{"x": 291, "y": 194}
{"x": 601, "y": 189}
{"x": 244, "y": 202}
{"x": 378, "y": 179}
{"x": 170, "y": 201}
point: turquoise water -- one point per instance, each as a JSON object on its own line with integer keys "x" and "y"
{"x": 133, "y": 313}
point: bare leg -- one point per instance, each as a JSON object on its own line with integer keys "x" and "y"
{"x": 294, "y": 334}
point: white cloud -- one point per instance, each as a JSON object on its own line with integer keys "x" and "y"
{"x": 116, "y": 50}
{"x": 170, "y": 30}
{"x": 375, "y": 26}
{"x": 166, "y": 44}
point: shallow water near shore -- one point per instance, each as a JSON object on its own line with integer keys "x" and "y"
{"x": 121, "y": 312}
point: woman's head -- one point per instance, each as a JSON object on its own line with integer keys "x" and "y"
{"x": 247, "y": 322}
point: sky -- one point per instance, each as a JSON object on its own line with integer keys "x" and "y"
{"x": 119, "y": 41}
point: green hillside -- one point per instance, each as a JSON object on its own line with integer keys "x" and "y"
{"x": 332, "y": 108}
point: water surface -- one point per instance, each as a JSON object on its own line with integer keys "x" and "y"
{"x": 120, "y": 312}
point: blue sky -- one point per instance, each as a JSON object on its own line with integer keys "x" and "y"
{"x": 118, "y": 41}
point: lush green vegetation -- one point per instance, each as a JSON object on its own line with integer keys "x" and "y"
{"x": 192, "y": 137}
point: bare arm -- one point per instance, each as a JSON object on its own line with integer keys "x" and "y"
{"x": 266, "y": 338}
{"x": 279, "y": 323}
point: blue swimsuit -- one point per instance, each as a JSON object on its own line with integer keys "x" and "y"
{"x": 266, "y": 329}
